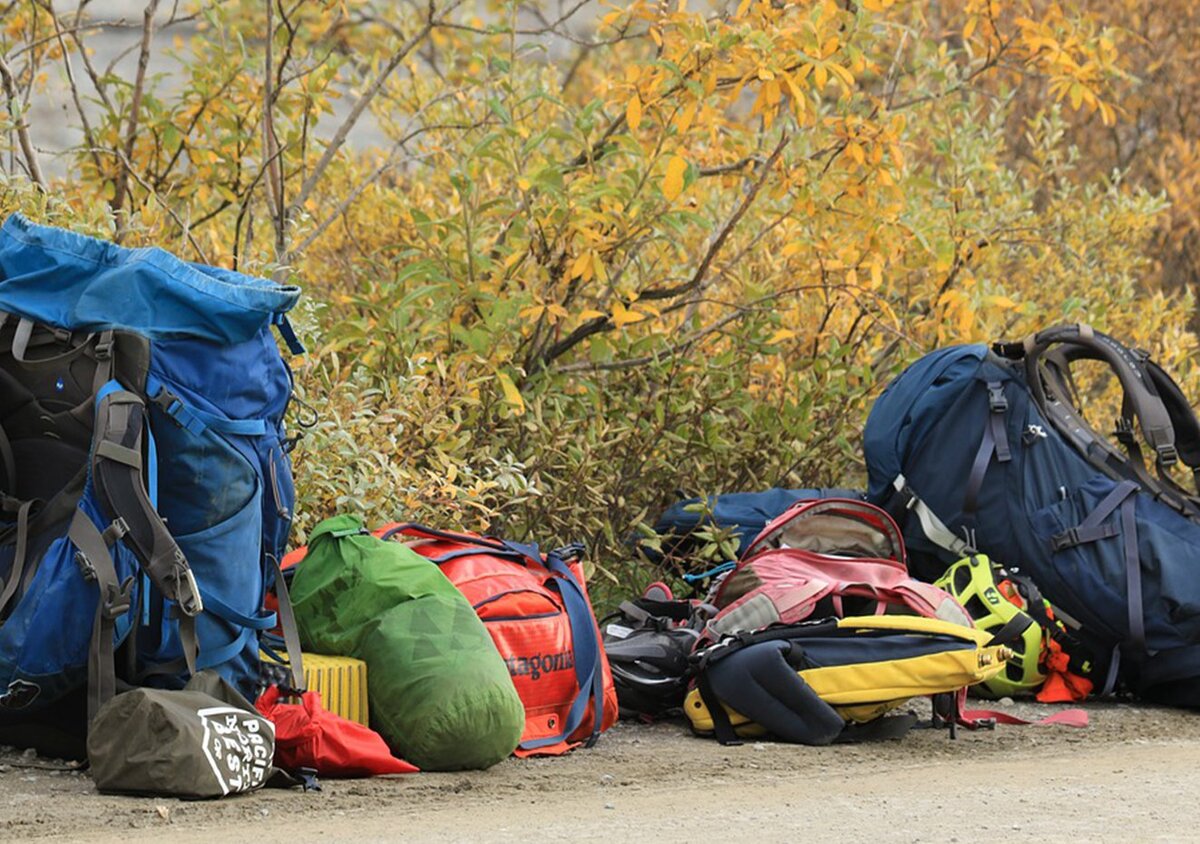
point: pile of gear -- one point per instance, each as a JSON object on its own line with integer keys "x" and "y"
{"x": 146, "y": 619}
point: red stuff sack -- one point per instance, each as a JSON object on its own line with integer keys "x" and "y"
{"x": 537, "y": 609}
{"x": 309, "y": 736}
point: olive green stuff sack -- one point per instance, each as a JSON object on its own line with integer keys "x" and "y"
{"x": 439, "y": 692}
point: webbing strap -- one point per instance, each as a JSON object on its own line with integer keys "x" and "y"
{"x": 1133, "y": 574}
{"x": 1064, "y": 718}
{"x": 1092, "y": 528}
{"x": 9, "y": 462}
{"x": 588, "y": 668}
{"x": 96, "y": 564}
{"x": 722, "y": 726}
{"x": 196, "y": 421}
{"x": 120, "y": 486}
{"x": 284, "y": 327}
{"x": 935, "y": 530}
{"x": 993, "y": 441}
{"x": 19, "y": 554}
{"x": 983, "y": 456}
{"x": 287, "y": 621}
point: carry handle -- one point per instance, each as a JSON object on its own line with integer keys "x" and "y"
{"x": 1088, "y": 343}
{"x": 589, "y": 672}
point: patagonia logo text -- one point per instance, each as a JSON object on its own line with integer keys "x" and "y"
{"x": 535, "y": 666}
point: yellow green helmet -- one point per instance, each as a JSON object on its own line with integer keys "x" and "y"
{"x": 972, "y": 581}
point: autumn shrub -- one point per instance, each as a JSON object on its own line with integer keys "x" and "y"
{"x": 606, "y": 255}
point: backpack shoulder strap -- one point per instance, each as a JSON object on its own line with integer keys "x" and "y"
{"x": 1047, "y": 357}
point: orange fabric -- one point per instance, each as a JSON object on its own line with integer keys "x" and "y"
{"x": 1061, "y": 685}
{"x": 529, "y": 626}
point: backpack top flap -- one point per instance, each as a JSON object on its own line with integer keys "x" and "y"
{"x": 55, "y": 276}
{"x": 836, "y": 527}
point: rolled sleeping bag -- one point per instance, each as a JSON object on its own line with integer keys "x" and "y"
{"x": 439, "y": 691}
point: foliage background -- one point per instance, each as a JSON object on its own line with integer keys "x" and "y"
{"x": 605, "y": 252}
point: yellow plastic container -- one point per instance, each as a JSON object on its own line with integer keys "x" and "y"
{"x": 341, "y": 682}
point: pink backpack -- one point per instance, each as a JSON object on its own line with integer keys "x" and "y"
{"x": 832, "y": 557}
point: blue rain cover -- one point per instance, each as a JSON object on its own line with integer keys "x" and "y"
{"x": 58, "y": 277}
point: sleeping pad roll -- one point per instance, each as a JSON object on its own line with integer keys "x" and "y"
{"x": 439, "y": 692}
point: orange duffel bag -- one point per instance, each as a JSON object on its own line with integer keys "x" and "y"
{"x": 537, "y": 609}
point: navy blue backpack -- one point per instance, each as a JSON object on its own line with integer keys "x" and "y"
{"x": 984, "y": 449}
{"x": 145, "y": 480}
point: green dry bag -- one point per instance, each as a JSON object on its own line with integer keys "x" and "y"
{"x": 439, "y": 692}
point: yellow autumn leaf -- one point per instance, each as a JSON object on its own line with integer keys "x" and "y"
{"x": 582, "y": 268}
{"x": 511, "y": 394}
{"x": 624, "y": 316}
{"x": 1002, "y": 302}
{"x": 781, "y": 335}
{"x": 633, "y": 113}
{"x": 672, "y": 184}
{"x": 591, "y": 313}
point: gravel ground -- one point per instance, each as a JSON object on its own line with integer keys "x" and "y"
{"x": 1131, "y": 775}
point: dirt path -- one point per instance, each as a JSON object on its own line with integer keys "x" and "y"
{"x": 1132, "y": 775}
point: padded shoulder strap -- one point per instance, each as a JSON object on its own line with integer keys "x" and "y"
{"x": 117, "y": 472}
{"x": 1091, "y": 344}
{"x": 1183, "y": 418}
{"x": 1151, "y": 397}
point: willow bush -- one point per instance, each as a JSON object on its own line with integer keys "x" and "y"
{"x": 600, "y": 255}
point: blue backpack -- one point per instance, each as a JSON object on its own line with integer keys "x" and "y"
{"x": 747, "y": 513}
{"x": 984, "y": 449}
{"x": 145, "y": 481}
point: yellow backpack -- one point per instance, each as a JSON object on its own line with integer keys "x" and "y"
{"x": 817, "y": 682}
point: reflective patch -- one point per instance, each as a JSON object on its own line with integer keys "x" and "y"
{"x": 20, "y": 694}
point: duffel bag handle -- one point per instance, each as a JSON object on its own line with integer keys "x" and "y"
{"x": 589, "y": 671}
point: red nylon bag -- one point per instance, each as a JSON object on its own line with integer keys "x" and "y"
{"x": 307, "y": 735}
{"x": 537, "y": 609}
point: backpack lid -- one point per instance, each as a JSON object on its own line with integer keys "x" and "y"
{"x": 55, "y": 276}
{"x": 836, "y": 527}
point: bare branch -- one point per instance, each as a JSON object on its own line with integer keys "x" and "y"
{"x": 718, "y": 242}
{"x": 88, "y": 135}
{"x": 18, "y": 116}
{"x": 127, "y": 167}
{"x": 361, "y": 104}
{"x": 135, "y": 108}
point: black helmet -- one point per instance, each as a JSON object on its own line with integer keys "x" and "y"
{"x": 648, "y": 644}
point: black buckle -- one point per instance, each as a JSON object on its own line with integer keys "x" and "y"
{"x": 115, "y": 531}
{"x": 118, "y": 600}
{"x": 1010, "y": 351}
{"x": 104, "y": 347}
{"x": 1067, "y": 539}
{"x": 997, "y": 401}
{"x": 1167, "y": 455}
{"x": 1123, "y": 433}
{"x": 85, "y": 567}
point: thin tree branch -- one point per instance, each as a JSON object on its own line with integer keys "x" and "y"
{"x": 361, "y": 104}
{"x": 135, "y": 108}
{"x": 22, "y": 128}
